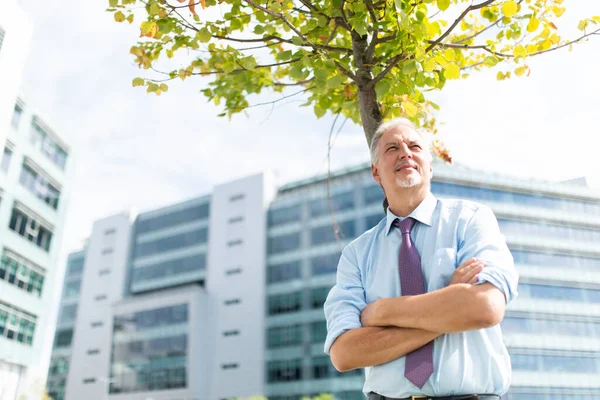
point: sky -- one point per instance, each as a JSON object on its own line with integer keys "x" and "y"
{"x": 136, "y": 150}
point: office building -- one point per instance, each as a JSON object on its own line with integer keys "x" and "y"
{"x": 222, "y": 295}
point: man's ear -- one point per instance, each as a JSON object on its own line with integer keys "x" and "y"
{"x": 375, "y": 173}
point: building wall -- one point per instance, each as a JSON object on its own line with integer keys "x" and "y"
{"x": 102, "y": 285}
{"x": 235, "y": 282}
{"x": 30, "y": 180}
{"x": 15, "y": 37}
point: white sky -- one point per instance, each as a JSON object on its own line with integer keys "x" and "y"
{"x": 139, "y": 150}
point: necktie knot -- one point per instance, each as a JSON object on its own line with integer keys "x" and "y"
{"x": 405, "y": 225}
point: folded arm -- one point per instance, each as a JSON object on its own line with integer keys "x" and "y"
{"x": 365, "y": 347}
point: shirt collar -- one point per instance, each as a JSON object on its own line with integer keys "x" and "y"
{"x": 423, "y": 213}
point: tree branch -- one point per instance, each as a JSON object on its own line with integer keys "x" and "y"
{"x": 281, "y": 99}
{"x": 392, "y": 64}
{"x": 479, "y": 33}
{"x": 299, "y": 83}
{"x": 463, "y": 15}
{"x": 371, "y": 48}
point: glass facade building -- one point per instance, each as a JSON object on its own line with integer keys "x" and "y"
{"x": 551, "y": 330}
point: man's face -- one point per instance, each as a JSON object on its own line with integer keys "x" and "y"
{"x": 404, "y": 160}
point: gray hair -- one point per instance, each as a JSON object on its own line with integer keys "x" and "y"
{"x": 386, "y": 126}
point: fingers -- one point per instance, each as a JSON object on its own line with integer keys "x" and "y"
{"x": 468, "y": 273}
{"x": 470, "y": 261}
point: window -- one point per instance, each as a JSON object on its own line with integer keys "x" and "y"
{"x": 107, "y": 251}
{"x": 233, "y": 243}
{"x": 231, "y": 333}
{"x": 16, "y": 324}
{"x": 97, "y": 324}
{"x": 327, "y": 233}
{"x": 326, "y": 264}
{"x": 30, "y": 229}
{"x": 21, "y": 273}
{"x": 230, "y": 366}
{"x": 280, "y": 216}
{"x": 339, "y": 202}
{"x": 374, "y": 219}
{"x": 236, "y": 220}
{"x": 39, "y": 184}
{"x": 75, "y": 266}
{"x": 109, "y": 232}
{"x": 284, "y": 370}
{"x": 232, "y": 302}
{"x": 6, "y": 157}
{"x": 100, "y": 297}
{"x": 282, "y": 336}
{"x": 322, "y": 368}
{"x": 89, "y": 380}
{"x": 104, "y": 271}
{"x": 92, "y": 352}
{"x": 72, "y": 288}
{"x": 195, "y": 213}
{"x": 284, "y": 303}
{"x": 318, "y": 331}
{"x": 233, "y": 271}
{"x": 283, "y": 243}
{"x": 318, "y": 297}
{"x": 178, "y": 241}
{"x": 63, "y": 338}
{"x": 68, "y": 314}
{"x": 237, "y": 197}
{"x": 373, "y": 194}
{"x": 283, "y": 272}
{"x": 41, "y": 140}
{"x": 184, "y": 265}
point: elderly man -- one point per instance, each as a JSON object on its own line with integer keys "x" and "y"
{"x": 419, "y": 297}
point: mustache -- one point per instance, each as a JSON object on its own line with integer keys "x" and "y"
{"x": 402, "y": 163}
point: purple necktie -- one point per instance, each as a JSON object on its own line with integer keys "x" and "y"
{"x": 419, "y": 363}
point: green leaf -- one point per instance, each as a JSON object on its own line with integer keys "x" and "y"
{"x": 248, "y": 63}
{"x": 382, "y": 87}
{"x": 509, "y": 8}
{"x": 297, "y": 40}
{"x": 296, "y": 72}
{"x": 154, "y": 7}
{"x": 164, "y": 87}
{"x": 119, "y": 16}
{"x": 443, "y": 4}
{"x": 204, "y": 35}
{"x": 284, "y": 55}
{"x": 236, "y": 24}
{"x": 491, "y": 61}
{"x": 113, "y": 3}
{"x": 259, "y": 29}
{"x": 334, "y": 81}
{"x": 137, "y": 82}
{"x": 409, "y": 67}
{"x": 319, "y": 112}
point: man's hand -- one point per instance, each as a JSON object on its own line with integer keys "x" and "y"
{"x": 372, "y": 313}
{"x": 467, "y": 272}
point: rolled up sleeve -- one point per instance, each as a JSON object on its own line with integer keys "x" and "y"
{"x": 484, "y": 241}
{"x": 346, "y": 300}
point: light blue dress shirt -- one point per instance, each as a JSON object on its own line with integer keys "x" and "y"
{"x": 449, "y": 232}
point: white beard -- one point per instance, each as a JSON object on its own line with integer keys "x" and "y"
{"x": 410, "y": 181}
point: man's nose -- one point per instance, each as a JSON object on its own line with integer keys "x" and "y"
{"x": 404, "y": 151}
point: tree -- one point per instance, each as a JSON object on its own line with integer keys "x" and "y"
{"x": 365, "y": 60}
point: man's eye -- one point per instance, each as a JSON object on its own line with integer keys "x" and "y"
{"x": 392, "y": 148}
{"x": 415, "y": 145}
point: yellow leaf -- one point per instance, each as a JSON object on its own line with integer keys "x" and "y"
{"x": 192, "y": 6}
{"x": 558, "y": 11}
{"x": 452, "y": 72}
{"x": 441, "y": 60}
{"x": 583, "y": 24}
{"x": 519, "y": 51}
{"x": 148, "y": 29}
{"x": 119, "y": 16}
{"x": 551, "y": 24}
{"x": 545, "y": 33}
{"x": 429, "y": 65}
{"x": 533, "y": 24}
{"x": 410, "y": 109}
{"x": 443, "y": 4}
{"x": 596, "y": 18}
{"x": 521, "y": 70}
{"x": 450, "y": 55}
{"x": 509, "y": 8}
{"x": 554, "y": 39}
{"x": 500, "y": 76}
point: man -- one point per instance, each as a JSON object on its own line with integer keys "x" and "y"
{"x": 401, "y": 308}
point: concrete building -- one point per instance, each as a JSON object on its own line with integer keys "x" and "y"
{"x": 35, "y": 172}
{"x": 222, "y": 295}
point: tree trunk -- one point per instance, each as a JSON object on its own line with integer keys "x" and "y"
{"x": 370, "y": 113}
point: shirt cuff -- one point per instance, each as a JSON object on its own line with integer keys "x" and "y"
{"x": 342, "y": 324}
{"x": 498, "y": 281}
